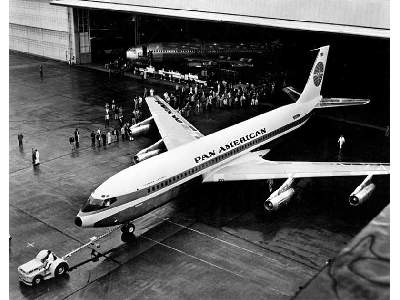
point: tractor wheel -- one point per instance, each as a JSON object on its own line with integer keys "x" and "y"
{"x": 61, "y": 269}
{"x": 37, "y": 280}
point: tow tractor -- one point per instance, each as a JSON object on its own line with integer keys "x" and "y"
{"x": 47, "y": 265}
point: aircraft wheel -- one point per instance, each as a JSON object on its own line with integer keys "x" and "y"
{"x": 128, "y": 228}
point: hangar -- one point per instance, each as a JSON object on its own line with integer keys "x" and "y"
{"x": 71, "y": 30}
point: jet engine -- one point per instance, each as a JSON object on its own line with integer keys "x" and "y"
{"x": 281, "y": 196}
{"x": 141, "y": 128}
{"x": 150, "y": 151}
{"x": 363, "y": 192}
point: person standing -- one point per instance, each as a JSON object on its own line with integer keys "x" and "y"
{"x": 104, "y": 137}
{"x": 93, "y": 137}
{"x": 123, "y": 132}
{"x": 76, "y": 133}
{"x": 107, "y": 119}
{"x": 120, "y": 112}
{"x": 37, "y": 162}
{"x": 341, "y": 142}
{"x": 116, "y": 113}
{"x": 98, "y": 137}
{"x": 117, "y": 134}
{"x": 20, "y": 137}
{"x": 127, "y": 131}
{"x": 41, "y": 72}
{"x": 112, "y": 105}
{"x": 109, "y": 138}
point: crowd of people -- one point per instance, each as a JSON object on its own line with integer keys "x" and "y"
{"x": 116, "y": 124}
{"x": 196, "y": 98}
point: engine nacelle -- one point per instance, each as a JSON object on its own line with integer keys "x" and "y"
{"x": 362, "y": 192}
{"x": 276, "y": 202}
{"x": 360, "y": 195}
{"x": 143, "y": 156}
{"x": 155, "y": 146}
{"x": 142, "y": 127}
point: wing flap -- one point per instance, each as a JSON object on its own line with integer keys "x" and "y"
{"x": 265, "y": 169}
{"x": 174, "y": 129}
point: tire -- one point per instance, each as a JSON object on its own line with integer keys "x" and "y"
{"x": 128, "y": 228}
{"x": 61, "y": 269}
{"x": 37, "y": 280}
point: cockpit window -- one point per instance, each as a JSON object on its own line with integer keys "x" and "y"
{"x": 96, "y": 204}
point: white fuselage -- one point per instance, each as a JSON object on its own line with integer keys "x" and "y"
{"x": 151, "y": 183}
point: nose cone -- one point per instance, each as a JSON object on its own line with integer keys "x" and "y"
{"x": 78, "y": 221}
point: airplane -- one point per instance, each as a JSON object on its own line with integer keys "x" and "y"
{"x": 227, "y": 155}
{"x": 166, "y": 51}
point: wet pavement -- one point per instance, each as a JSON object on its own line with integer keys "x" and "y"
{"x": 213, "y": 243}
{"x": 362, "y": 268}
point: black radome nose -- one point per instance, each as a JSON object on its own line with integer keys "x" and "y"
{"x": 78, "y": 221}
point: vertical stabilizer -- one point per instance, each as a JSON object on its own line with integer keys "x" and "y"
{"x": 312, "y": 90}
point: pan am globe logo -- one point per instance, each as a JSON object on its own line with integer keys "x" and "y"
{"x": 318, "y": 73}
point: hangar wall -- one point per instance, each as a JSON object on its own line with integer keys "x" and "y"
{"x": 36, "y": 27}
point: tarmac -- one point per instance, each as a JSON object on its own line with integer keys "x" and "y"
{"x": 214, "y": 243}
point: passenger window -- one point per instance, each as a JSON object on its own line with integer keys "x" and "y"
{"x": 153, "y": 188}
{"x": 148, "y": 190}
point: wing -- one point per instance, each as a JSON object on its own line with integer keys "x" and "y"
{"x": 335, "y": 102}
{"x": 173, "y": 128}
{"x": 265, "y": 169}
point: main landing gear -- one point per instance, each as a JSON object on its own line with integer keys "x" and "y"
{"x": 128, "y": 232}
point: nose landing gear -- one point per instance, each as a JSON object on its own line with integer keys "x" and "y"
{"x": 128, "y": 233}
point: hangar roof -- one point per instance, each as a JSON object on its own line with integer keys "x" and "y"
{"x": 359, "y": 17}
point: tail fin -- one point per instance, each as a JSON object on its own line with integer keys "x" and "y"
{"x": 312, "y": 90}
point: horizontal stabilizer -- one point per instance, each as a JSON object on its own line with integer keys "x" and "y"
{"x": 336, "y": 102}
{"x": 292, "y": 93}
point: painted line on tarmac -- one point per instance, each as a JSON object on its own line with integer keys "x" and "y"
{"x": 275, "y": 261}
{"x": 194, "y": 257}
{"x": 209, "y": 263}
{"x": 215, "y": 238}
{"x": 273, "y": 251}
